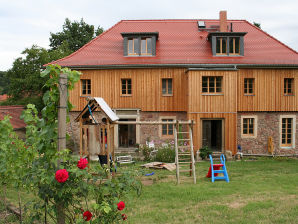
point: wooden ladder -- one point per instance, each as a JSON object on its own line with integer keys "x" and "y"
{"x": 184, "y": 158}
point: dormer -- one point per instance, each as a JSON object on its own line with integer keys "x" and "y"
{"x": 226, "y": 42}
{"x": 139, "y": 44}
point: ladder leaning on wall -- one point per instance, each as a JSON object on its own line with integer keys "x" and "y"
{"x": 184, "y": 158}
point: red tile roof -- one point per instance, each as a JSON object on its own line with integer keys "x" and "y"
{"x": 180, "y": 42}
{"x": 3, "y": 97}
{"x": 15, "y": 113}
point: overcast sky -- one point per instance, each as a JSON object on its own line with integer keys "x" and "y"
{"x": 27, "y": 22}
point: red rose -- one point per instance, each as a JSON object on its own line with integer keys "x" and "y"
{"x": 82, "y": 163}
{"x": 87, "y": 215}
{"x": 124, "y": 216}
{"x": 121, "y": 205}
{"x": 61, "y": 175}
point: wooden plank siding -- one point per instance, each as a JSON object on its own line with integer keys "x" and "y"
{"x": 229, "y": 133}
{"x": 201, "y": 102}
{"x": 212, "y": 106}
{"x": 146, "y": 89}
{"x": 269, "y": 90}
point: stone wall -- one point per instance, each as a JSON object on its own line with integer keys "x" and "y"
{"x": 268, "y": 124}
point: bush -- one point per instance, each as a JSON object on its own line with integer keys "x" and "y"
{"x": 146, "y": 152}
{"x": 165, "y": 154}
{"x": 205, "y": 152}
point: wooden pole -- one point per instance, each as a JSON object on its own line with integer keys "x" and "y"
{"x": 62, "y": 110}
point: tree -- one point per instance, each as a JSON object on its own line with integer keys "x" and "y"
{"x": 257, "y": 24}
{"x": 76, "y": 34}
{"x": 4, "y": 83}
{"x": 26, "y": 85}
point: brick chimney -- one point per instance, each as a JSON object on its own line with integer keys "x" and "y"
{"x": 223, "y": 26}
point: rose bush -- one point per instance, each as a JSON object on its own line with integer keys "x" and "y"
{"x": 65, "y": 185}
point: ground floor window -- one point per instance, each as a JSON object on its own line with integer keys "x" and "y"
{"x": 167, "y": 130}
{"x": 287, "y": 130}
{"x": 248, "y": 126}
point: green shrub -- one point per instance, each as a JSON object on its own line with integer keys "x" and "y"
{"x": 146, "y": 152}
{"x": 205, "y": 152}
{"x": 165, "y": 154}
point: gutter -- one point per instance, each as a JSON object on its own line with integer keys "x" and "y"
{"x": 187, "y": 66}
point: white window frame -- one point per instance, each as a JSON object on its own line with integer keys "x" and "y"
{"x": 255, "y": 117}
{"x": 293, "y": 131}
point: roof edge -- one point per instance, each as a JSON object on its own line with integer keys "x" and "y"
{"x": 92, "y": 67}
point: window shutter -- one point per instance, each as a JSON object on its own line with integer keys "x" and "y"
{"x": 153, "y": 42}
{"x": 213, "y": 41}
{"x": 242, "y": 46}
{"x": 138, "y": 45}
{"x": 125, "y": 43}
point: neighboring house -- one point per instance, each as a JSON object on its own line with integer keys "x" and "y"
{"x": 238, "y": 83}
{"x": 17, "y": 123}
{"x": 3, "y": 97}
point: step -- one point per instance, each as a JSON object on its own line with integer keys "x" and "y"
{"x": 186, "y": 139}
{"x": 186, "y": 162}
{"x": 219, "y": 178}
{"x": 218, "y": 171}
{"x": 184, "y": 147}
{"x": 182, "y": 132}
{"x": 183, "y": 154}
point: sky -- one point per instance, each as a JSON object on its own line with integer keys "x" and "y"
{"x": 27, "y": 22}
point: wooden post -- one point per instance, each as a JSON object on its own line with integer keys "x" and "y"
{"x": 176, "y": 152}
{"x": 108, "y": 149}
{"x": 62, "y": 110}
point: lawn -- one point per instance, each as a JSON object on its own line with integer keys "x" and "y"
{"x": 262, "y": 191}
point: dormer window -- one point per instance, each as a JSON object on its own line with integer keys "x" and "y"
{"x": 139, "y": 44}
{"x": 227, "y": 43}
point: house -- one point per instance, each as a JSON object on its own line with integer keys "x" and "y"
{"x": 17, "y": 123}
{"x": 238, "y": 83}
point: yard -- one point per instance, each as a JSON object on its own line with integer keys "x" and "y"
{"x": 260, "y": 191}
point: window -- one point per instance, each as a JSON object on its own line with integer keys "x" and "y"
{"x": 221, "y": 45}
{"x": 234, "y": 44}
{"x": 249, "y": 86}
{"x": 288, "y": 86}
{"x": 286, "y": 132}
{"x": 126, "y": 87}
{"x": 167, "y": 87}
{"x": 139, "y": 43}
{"x": 212, "y": 84}
{"x": 146, "y": 46}
{"x": 132, "y": 46}
{"x": 86, "y": 86}
{"x": 167, "y": 129}
{"x": 249, "y": 126}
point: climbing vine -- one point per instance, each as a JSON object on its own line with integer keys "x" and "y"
{"x": 86, "y": 194}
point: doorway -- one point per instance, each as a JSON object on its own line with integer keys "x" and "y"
{"x": 127, "y": 134}
{"x": 212, "y": 134}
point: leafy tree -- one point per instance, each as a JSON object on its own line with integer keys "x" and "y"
{"x": 76, "y": 34}
{"x": 4, "y": 83}
{"x": 26, "y": 85}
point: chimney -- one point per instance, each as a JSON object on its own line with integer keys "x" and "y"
{"x": 223, "y": 26}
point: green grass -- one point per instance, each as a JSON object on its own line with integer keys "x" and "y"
{"x": 261, "y": 191}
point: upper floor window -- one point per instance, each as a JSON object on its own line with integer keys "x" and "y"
{"x": 126, "y": 87}
{"x": 227, "y": 43}
{"x": 86, "y": 86}
{"x": 146, "y": 46}
{"x": 167, "y": 87}
{"x": 249, "y": 86}
{"x": 221, "y": 45}
{"x": 289, "y": 86}
{"x": 139, "y": 44}
{"x": 132, "y": 48}
{"x": 234, "y": 44}
{"x": 212, "y": 84}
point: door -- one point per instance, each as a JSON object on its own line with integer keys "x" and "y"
{"x": 127, "y": 134}
{"x": 212, "y": 134}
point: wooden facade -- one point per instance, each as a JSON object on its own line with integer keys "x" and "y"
{"x": 146, "y": 94}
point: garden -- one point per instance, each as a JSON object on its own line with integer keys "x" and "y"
{"x": 45, "y": 185}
